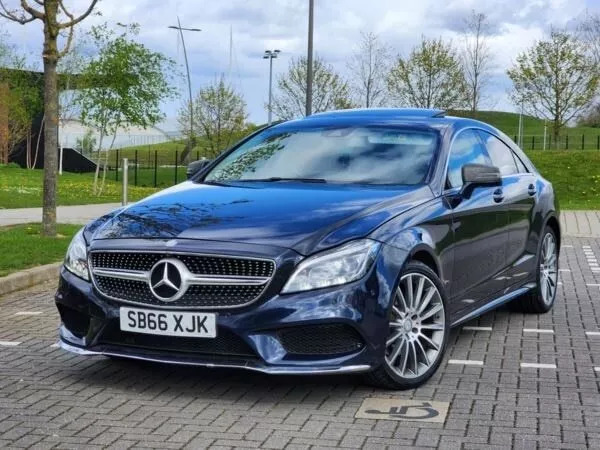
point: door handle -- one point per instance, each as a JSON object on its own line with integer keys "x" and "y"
{"x": 531, "y": 189}
{"x": 498, "y": 195}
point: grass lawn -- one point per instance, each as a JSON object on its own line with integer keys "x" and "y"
{"x": 23, "y": 246}
{"x": 22, "y": 188}
{"x": 574, "y": 174}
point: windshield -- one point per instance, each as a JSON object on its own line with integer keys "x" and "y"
{"x": 366, "y": 155}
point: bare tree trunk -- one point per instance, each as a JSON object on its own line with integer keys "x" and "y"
{"x": 106, "y": 162}
{"x": 98, "y": 160}
{"x": 28, "y": 149}
{"x": 50, "y": 145}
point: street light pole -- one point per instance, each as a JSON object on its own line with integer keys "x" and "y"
{"x": 186, "y": 154}
{"x": 309, "y": 59}
{"x": 270, "y": 55}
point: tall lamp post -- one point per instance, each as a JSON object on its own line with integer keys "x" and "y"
{"x": 309, "y": 59}
{"x": 270, "y": 55}
{"x": 185, "y": 156}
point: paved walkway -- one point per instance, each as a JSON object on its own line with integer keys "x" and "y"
{"x": 580, "y": 223}
{"x": 78, "y": 214}
{"x": 510, "y": 380}
{"x": 574, "y": 223}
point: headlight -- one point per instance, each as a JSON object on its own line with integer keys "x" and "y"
{"x": 76, "y": 259}
{"x": 339, "y": 266}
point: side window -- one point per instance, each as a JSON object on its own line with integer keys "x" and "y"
{"x": 466, "y": 149}
{"x": 520, "y": 166}
{"x": 501, "y": 154}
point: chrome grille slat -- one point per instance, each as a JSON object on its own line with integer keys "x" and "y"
{"x": 214, "y": 281}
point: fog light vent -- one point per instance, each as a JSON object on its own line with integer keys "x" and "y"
{"x": 327, "y": 339}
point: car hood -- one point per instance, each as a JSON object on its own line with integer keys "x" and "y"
{"x": 302, "y": 216}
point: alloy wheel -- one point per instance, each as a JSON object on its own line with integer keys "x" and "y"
{"x": 548, "y": 269}
{"x": 417, "y": 327}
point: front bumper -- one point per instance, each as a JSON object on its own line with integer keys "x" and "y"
{"x": 90, "y": 326}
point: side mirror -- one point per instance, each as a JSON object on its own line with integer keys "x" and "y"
{"x": 196, "y": 166}
{"x": 479, "y": 175}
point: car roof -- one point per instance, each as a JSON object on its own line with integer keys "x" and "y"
{"x": 420, "y": 117}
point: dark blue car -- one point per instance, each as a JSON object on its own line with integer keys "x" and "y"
{"x": 347, "y": 241}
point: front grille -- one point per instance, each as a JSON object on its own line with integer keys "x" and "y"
{"x": 205, "y": 295}
{"x": 226, "y": 343}
{"x": 198, "y": 264}
{"x": 326, "y": 339}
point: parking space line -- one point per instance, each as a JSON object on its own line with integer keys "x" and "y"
{"x": 566, "y": 246}
{"x": 477, "y": 328}
{"x": 55, "y": 345}
{"x": 597, "y": 369}
{"x": 9, "y": 343}
{"x": 593, "y": 284}
{"x": 28, "y": 313}
{"x": 564, "y": 270}
{"x": 537, "y": 330}
{"x": 537, "y": 366}
{"x": 466, "y": 362}
{"x": 592, "y": 333}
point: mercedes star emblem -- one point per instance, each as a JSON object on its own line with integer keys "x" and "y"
{"x": 165, "y": 280}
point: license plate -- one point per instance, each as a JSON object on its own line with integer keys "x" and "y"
{"x": 168, "y": 323}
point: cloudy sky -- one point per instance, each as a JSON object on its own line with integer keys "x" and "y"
{"x": 266, "y": 24}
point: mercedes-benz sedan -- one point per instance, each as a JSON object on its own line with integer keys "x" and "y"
{"x": 347, "y": 241}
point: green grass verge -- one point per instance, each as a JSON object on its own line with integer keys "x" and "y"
{"x": 575, "y": 176}
{"x": 23, "y": 246}
{"x": 22, "y": 188}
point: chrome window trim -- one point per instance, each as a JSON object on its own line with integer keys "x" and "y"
{"x": 135, "y": 275}
{"x": 444, "y": 189}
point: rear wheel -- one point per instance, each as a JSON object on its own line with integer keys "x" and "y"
{"x": 418, "y": 331}
{"x": 541, "y": 299}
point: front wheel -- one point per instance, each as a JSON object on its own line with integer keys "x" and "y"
{"x": 418, "y": 331}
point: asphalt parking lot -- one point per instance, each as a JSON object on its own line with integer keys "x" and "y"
{"x": 507, "y": 380}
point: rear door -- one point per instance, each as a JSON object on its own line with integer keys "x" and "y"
{"x": 519, "y": 188}
{"x": 480, "y": 224}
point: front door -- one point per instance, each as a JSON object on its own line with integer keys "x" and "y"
{"x": 480, "y": 224}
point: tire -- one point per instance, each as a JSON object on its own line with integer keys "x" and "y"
{"x": 536, "y": 301}
{"x": 416, "y": 342}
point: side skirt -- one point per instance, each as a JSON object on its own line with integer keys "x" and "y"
{"x": 493, "y": 304}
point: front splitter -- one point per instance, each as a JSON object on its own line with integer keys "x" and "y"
{"x": 247, "y": 365}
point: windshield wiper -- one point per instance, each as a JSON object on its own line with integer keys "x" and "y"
{"x": 275, "y": 179}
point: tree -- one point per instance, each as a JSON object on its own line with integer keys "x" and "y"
{"x": 50, "y": 16}
{"x": 555, "y": 79}
{"x": 87, "y": 143}
{"x": 219, "y": 114}
{"x": 431, "y": 77}
{"x": 20, "y": 99}
{"x": 368, "y": 67}
{"x": 589, "y": 32}
{"x": 477, "y": 58}
{"x": 124, "y": 85}
{"x": 330, "y": 91}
